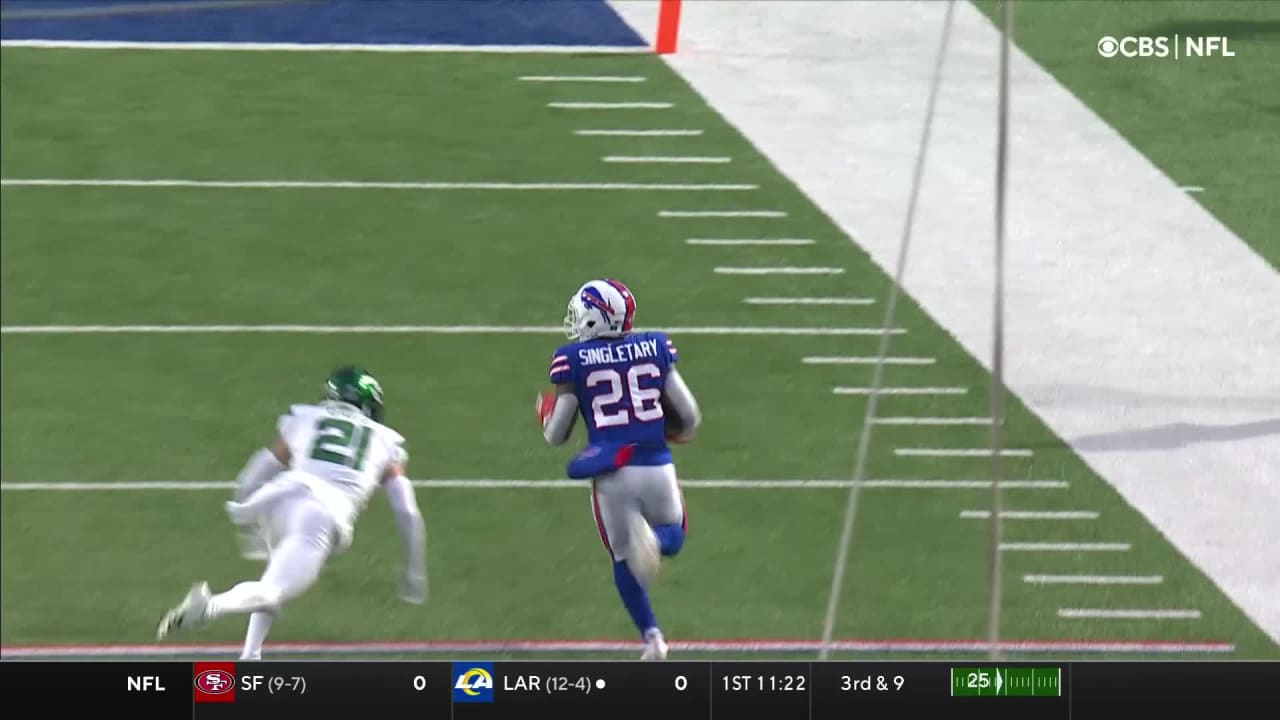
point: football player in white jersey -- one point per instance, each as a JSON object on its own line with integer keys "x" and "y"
{"x": 298, "y": 501}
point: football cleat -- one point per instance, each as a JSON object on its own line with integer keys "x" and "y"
{"x": 655, "y": 646}
{"x": 646, "y": 555}
{"x": 187, "y": 615}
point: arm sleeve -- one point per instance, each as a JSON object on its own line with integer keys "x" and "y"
{"x": 560, "y": 424}
{"x": 561, "y": 372}
{"x": 681, "y": 401}
{"x": 262, "y": 466}
{"x": 413, "y": 529}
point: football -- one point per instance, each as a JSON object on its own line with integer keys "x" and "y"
{"x": 674, "y": 428}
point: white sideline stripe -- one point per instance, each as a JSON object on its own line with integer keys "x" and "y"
{"x": 779, "y": 271}
{"x": 931, "y": 421}
{"x": 489, "y": 647}
{"x": 1064, "y": 547}
{"x": 1105, "y": 614}
{"x": 584, "y": 78}
{"x": 358, "y": 185}
{"x": 1032, "y": 514}
{"x": 900, "y": 390}
{"x": 1191, "y": 188}
{"x": 611, "y": 105}
{"x": 411, "y": 329}
{"x": 749, "y": 241}
{"x": 809, "y": 301}
{"x": 862, "y": 360}
{"x": 1093, "y": 579}
{"x": 322, "y": 47}
{"x": 690, "y": 159}
{"x": 721, "y": 213}
{"x": 639, "y": 133}
{"x": 959, "y": 452}
{"x": 489, "y": 484}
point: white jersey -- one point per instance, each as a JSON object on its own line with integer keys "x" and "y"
{"x": 343, "y": 450}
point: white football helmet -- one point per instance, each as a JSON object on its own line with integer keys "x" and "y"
{"x": 601, "y": 308}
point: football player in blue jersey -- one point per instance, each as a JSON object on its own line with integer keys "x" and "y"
{"x": 626, "y": 387}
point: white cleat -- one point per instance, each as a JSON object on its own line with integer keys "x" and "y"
{"x": 646, "y": 556}
{"x": 655, "y": 646}
{"x": 188, "y": 614}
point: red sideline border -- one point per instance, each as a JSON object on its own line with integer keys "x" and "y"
{"x": 31, "y": 652}
{"x": 668, "y": 27}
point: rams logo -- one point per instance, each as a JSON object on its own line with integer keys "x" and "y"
{"x": 473, "y": 682}
{"x": 215, "y": 682}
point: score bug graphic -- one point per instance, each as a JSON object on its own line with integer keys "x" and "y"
{"x": 473, "y": 682}
{"x": 214, "y": 682}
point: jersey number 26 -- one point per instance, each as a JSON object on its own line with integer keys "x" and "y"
{"x": 607, "y": 408}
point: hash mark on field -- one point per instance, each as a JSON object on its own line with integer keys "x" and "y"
{"x": 779, "y": 271}
{"x": 359, "y": 185}
{"x": 639, "y": 133}
{"x": 1104, "y": 614}
{"x": 490, "y": 484}
{"x": 808, "y": 301}
{"x": 1191, "y": 188}
{"x": 866, "y": 360}
{"x": 491, "y": 647}
{"x": 721, "y": 213}
{"x": 959, "y": 452}
{"x": 324, "y": 47}
{"x": 1093, "y": 579}
{"x": 584, "y": 78}
{"x": 411, "y": 329}
{"x": 688, "y": 159}
{"x": 1064, "y": 547}
{"x": 942, "y": 421}
{"x": 749, "y": 241}
{"x": 611, "y": 105}
{"x": 900, "y": 390}
{"x": 1032, "y": 514}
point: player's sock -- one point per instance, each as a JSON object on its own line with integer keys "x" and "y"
{"x": 634, "y": 597}
{"x": 259, "y": 626}
{"x": 247, "y": 597}
{"x": 670, "y": 538}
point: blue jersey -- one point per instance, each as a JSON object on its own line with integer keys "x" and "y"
{"x": 618, "y": 382}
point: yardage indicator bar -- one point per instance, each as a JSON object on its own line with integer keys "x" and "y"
{"x": 1006, "y": 681}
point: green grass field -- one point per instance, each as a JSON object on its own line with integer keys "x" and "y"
{"x": 97, "y": 567}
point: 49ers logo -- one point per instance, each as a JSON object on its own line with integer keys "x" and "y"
{"x": 215, "y": 682}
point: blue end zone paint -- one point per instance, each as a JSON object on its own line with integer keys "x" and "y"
{"x": 424, "y": 22}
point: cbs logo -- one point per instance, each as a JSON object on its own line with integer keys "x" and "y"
{"x": 1130, "y": 46}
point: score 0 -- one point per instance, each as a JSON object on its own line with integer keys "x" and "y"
{"x": 419, "y": 683}
{"x": 682, "y": 683}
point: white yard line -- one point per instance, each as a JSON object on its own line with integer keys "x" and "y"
{"x": 493, "y": 484}
{"x": 584, "y": 78}
{"x": 1063, "y": 546}
{"x": 721, "y": 213}
{"x": 749, "y": 241}
{"x": 1106, "y": 614}
{"x": 779, "y": 271}
{"x": 325, "y": 47}
{"x": 842, "y": 390}
{"x": 940, "y": 421}
{"x": 357, "y": 184}
{"x": 959, "y": 452}
{"x": 1191, "y": 188}
{"x": 500, "y": 647}
{"x": 867, "y": 360}
{"x": 639, "y": 133}
{"x": 408, "y": 329}
{"x": 1032, "y": 514}
{"x": 1093, "y": 579}
{"x": 667, "y": 159}
{"x": 584, "y": 105}
{"x": 808, "y": 301}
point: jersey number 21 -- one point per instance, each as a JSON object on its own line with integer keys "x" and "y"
{"x": 341, "y": 442}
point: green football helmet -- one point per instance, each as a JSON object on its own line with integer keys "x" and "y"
{"x": 356, "y": 386}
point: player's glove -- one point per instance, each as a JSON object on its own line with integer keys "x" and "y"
{"x": 545, "y": 404}
{"x": 413, "y": 588}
